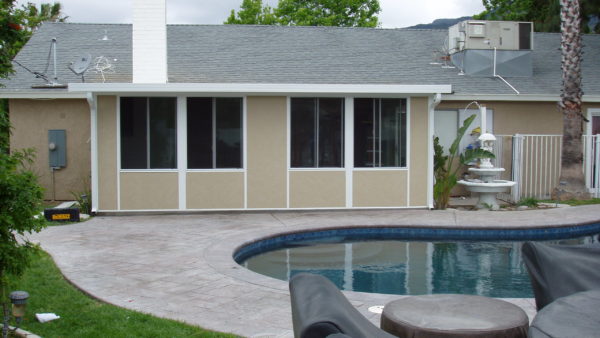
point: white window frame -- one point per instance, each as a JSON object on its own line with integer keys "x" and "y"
{"x": 214, "y": 135}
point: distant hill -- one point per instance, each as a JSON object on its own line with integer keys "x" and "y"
{"x": 441, "y": 23}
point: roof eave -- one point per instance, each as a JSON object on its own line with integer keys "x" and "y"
{"x": 257, "y": 88}
{"x": 514, "y": 97}
{"x": 40, "y": 94}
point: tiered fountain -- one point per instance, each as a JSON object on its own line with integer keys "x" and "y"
{"x": 487, "y": 186}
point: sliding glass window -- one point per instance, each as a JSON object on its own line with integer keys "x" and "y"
{"x": 379, "y": 132}
{"x": 214, "y": 133}
{"x": 148, "y": 132}
{"x": 317, "y": 132}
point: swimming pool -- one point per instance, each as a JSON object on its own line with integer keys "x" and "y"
{"x": 383, "y": 261}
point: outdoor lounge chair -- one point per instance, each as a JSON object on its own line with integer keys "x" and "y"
{"x": 566, "y": 285}
{"x": 320, "y": 310}
{"x": 561, "y": 270}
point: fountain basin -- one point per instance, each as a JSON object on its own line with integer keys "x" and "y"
{"x": 486, "y": 170}
{"x": 494, "y": 186}
{"x": 487, "y": 191}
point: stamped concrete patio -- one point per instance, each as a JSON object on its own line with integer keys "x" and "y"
{"x": 181, "y": 266}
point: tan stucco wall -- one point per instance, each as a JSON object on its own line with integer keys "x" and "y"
{"x": 419, "y": 151}
{"x": 267, "y": 152}
{"x": 379, "y": 188}
{"x": 519, "y": 117}
{"x": 146, "y": 191}
{"x": 207, "y": 190}
{"x": 31, "y": 120}
{"x": 107, "y": 152}
{"x": 317, "y": 189}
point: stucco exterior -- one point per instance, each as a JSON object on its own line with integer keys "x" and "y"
{"x": 318, "y": 189}
{"x": 107, "y": 152}
{"x": 31, "y": 120}
{"x": 267, "y": 152}
{"x": 266, "y": 181}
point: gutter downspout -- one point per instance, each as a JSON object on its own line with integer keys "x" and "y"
{"x": 434, "y": 101}
{"x": 500, "y": 77}
{"x": 91, "y": 99}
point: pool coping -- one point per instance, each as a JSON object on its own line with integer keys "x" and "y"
{"x": 227, "y": 297}
{"x": 222, "y": 253}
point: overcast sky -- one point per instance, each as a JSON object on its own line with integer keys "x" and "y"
{"x": 394, "y": 13}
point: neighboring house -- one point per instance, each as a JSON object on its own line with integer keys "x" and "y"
{"x": 228, "y": 117}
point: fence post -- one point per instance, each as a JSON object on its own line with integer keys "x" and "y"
{"x": 517, "y": 166}
{"x": 596, "y": 186}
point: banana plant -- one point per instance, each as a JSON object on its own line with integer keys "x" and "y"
{"x": 445, "y": 167}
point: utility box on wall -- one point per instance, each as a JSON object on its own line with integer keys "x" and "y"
{"x": 57, "y": 148}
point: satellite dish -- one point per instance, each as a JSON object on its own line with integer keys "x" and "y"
{"x": 81, "y": 64}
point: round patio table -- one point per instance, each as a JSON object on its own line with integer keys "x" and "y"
{"x": 449, "y": 315}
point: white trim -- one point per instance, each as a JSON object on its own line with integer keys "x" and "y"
{"x": 218, "y": 170}
{"x": 262, "y": 209}
{"x": 245, "y": 147}
{"x": 512, "y": 97}
{"x": 588, "y": 156}
{"x": 43, "y": 95}
{"x": 118, "y": 122}
{"x": 591, "y": 112}
{"x": 434, "y": 101}
{"x": 258, "y": 88}
{"x": 288, "y": 114}
{"x": 381, "y": 169}
{"x": 91, "y": 99}
{"x": 349, "y": 149}
{"x": 141, "y": 171}
{"x": 408, "y": 146}
{"x": 340, "y": 169}
{"x": 182, "y": 150}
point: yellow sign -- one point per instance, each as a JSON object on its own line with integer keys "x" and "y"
{"x": 61, "y": 216}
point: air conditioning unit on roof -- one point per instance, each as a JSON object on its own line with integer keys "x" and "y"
{"x": 502, "y": 35}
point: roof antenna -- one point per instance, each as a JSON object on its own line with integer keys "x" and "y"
{"x": 81, "y": 65}
{"x": 105, "y": 37}
{"x": 50, "y": 83}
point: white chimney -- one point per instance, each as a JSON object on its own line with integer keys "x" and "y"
{"x": 149, "y": 41}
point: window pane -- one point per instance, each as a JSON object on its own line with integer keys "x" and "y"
{"x": 392, "y": 133}
{"x": 199, "y": 133}
{"x": 363, "y": 132}
{"x": 133, "y": 133}
{"x": 229, "y": 132}
{"x": 331, "y": 123}
{"x": 163, "y": 133}
{"x": 303, "y": 132}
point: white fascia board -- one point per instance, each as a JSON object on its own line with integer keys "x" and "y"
{"x": 42, "y": 95}
{"x": 511, "y": 97}
{"x": 256, "y": 88}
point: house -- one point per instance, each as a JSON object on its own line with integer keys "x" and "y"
{"x": 227, "y": 117}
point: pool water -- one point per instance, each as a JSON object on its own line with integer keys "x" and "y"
{"x": 493, "y": 269}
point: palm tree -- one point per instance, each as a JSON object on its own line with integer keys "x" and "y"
{"x": 572, "y": 182}
{"x": 46, "y": 12}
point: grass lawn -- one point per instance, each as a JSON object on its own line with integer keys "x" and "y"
{"x": 576, "y": 202}
{"x": 82, "y": 316}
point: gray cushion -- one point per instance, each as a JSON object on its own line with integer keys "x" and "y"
{"x": 576, "y": 315}
{"x": 319, "y": 309}
{"x": 561, "y": 270}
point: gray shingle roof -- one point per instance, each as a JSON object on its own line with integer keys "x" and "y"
{"x": 304, "y": 55}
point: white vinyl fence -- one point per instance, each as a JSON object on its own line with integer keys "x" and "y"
{"x": 535, "y": 164}
{"x": 591, "y": 163}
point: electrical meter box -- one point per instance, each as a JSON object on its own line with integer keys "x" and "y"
{"x": 57, "y": 148}
{"x": 502, "y": 35}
